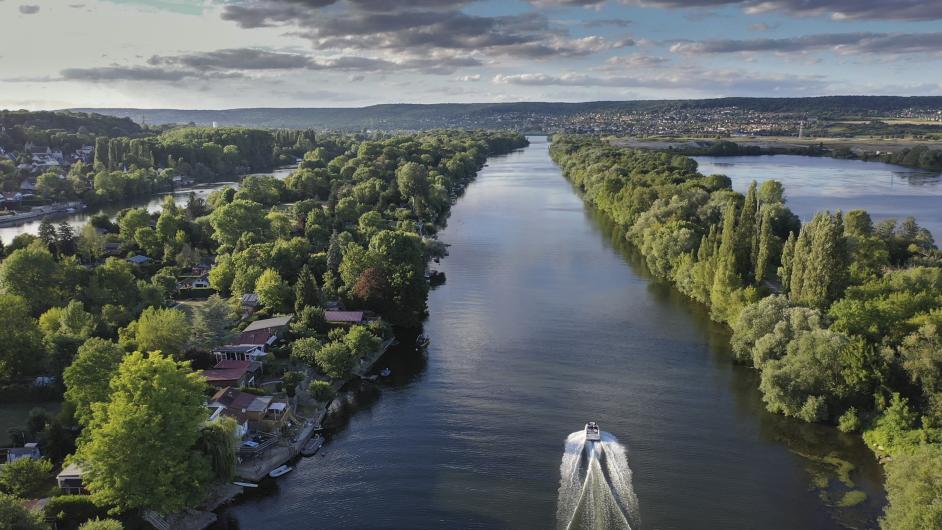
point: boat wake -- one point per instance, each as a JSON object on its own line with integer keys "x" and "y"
{"x": 595, "y": 490}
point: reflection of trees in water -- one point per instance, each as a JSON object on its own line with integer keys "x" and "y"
{"x": 841, "y": 469}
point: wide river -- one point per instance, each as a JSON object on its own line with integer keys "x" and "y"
{"x": 547, "y": 320}
{"x": 813, "y": 184}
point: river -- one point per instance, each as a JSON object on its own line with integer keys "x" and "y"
{"x": 152, "y": 203}
{"x": 813, "y": 184}
{"x": 548, "y": 319}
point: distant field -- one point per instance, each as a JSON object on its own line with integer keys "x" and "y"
{"x": 15, "y": 415}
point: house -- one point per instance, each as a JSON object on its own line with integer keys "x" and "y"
{"x": 241, "y": 406}
{"x": 249, "y": 303}
{"x": 140, "y": 259}
{"x": 345, "y": 317}
{"x": 30, "y": 450}
{"x": 112, "y": 248}
{"x": 28, "y": 184}
{"x": 193, "y": 282}
{"x": 70, "y": 480}
{"x": 232, "y": 373}
{"x": 266, "y": 331}
{"x": 240, "y": 352}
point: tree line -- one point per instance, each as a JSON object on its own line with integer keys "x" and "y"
{"x": 840, "y": 316}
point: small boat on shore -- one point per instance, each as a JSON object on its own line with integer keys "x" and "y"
{"x": 422, "y": 341}
{"x": 592, "y": 433}
{"x": 385, "y": 372}
{"x": 245, "y": 484}
{"x": 312, "y": 446}
{"x": 279, "y": 471}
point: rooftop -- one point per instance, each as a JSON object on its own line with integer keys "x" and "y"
{"x": 275, "y": 322}
{"x": 343, "y": 316}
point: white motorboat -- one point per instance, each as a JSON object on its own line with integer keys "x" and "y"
{"x": 592, "y": 433}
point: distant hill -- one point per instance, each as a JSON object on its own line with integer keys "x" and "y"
{"x": 412, "y": 116}
{"x": 106, "y": 123}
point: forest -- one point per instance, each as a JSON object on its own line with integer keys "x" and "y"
{"x": 354, "y": 225}
{"x": 841, "y": 317}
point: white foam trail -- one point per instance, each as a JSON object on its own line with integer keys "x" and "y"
{"x": 595, "y": 490}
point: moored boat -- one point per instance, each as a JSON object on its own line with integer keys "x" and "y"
{"x": 312, "y": 446}
{"x": 422, "y": 341}
{"x": 279, "y": 471}
{"x": 245, "y": 484}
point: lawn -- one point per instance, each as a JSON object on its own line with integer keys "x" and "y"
{"x": 15, "y": 415}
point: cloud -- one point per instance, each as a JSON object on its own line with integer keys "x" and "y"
{"x": 568, "y": 3}
{"x": 836, "y": 9}
{"x": 845, "y": 43}
{"x": 633, "y": 61}
{"x": 468, "y": 78}
{"x": 417, "y": 28}
{"x": 608, "y": 22}
{"x": 123, "y": 73}
{"x": 235, "y": 59}
{"x": 27, "y": 9}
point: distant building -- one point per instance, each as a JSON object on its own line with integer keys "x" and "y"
{"x": 30, "y": 450}
{"x": 70, "y": 480}
{"x": 345, "y": 317}
{"x": 240, "y": 352}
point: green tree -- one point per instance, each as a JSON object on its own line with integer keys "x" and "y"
{"x": 159, "y": 329}
{"x": 291, "y": 380}
{"x": 26, "y": 477}
{"x": 140, "y": 449}
{"x": 305, "y": 350}
{"x": 21, "y": 346}
{"x": 764, "y": 250}
{"x": 360, "y": 341}
{"x": 33, "y": 274}
{"x": 87, "y": 378}
{"x": 132, "y": 220}
{"x": 212, "y": 324}
{"x": 335, "y": 360}
{"x": 819, "y": 272}
{"x": 14, "y": 515}
{"x": 273, "y": 292}
{"x": 219, "y": 441}
{"x": 306, "y": 293}
{"x": 914, "y": 490}
{"x": 237, "y": 218}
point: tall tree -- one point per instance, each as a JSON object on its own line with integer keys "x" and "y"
{"x": 764, "y": 249}
{"x": 21, "y": 346}
{"x": 212, "y": 323}
{"x": 87, "y": 378}
{"x": 140, "y": 449}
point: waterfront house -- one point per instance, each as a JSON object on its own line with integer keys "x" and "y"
{"x": 266, "y": 331}
{"x": 232, "y": 373}
{"x": 140, "y": 259}
{"x": 30, "y": 450}
{"x": 70, "y": 480}
{"x": 346, "y": 318}
{"x": 240, "y": 352}
{"x": 193, "y": 282}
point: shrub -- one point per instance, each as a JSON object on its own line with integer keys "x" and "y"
{"x": 321, "y": 390}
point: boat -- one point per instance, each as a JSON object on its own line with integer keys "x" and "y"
{"x": 422, "y": 341}
{"x": 312, "y": 446}
{"x": 385, "y": 372}
{"x": 592, "y": 433}
{"x": 245, "y": 484}
{"x": 279, "y": 471}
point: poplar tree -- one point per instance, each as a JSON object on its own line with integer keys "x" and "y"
{"x": 764, "y": 248}
{"x": 788, "y": 257}
{"x": 748, "y": 240}
{"x": 819, "y": 273}
{"x": 725, "y": 279}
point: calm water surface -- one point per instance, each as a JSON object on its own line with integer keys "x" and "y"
{"x": 547, "y": 320}
{"x": 814, "y": 184}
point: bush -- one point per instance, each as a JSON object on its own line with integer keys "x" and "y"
{"x": 70, "y": 511}
{"x": 849, "y": 421}
{"x": 26, "y": 477}
{"x": 14, "y": 515}
{"x": 321, "y": 390}
{"x": 102, "y": 524}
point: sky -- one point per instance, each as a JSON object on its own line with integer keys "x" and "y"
{"x": 215, "y": 54}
